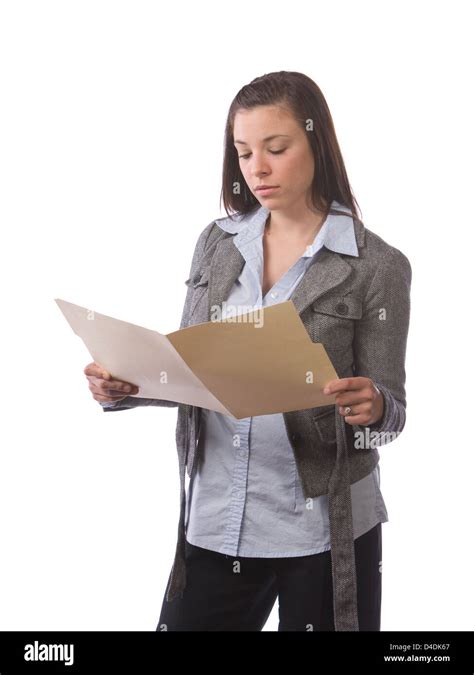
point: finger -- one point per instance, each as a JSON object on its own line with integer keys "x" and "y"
{"x": 110, "y": 392}
{"x": 359, "y": 414}
{"x": 96, "y": 370}
{"x": 108, "y": 399}
{"x": 99, "y": 386}
{"x": 355, "y": 410}
{"x": 352, "y": 398}
{"x": 356, "y": 419}
{"x": 117, "y": 386}
{"x": 111, "y": 388}
{"x": 364, "y": 408}
{"x": 345, "y": 384}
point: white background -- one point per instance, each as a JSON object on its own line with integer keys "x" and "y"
{"x": 111, "y": 134}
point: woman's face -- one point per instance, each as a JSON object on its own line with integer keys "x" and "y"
{"x": 285, "y": 160}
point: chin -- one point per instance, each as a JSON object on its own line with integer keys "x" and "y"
{"x": 266, "y": 200}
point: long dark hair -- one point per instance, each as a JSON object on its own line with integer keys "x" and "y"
{"x": 304, "y": 99}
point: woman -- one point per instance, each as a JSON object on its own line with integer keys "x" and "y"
{"x": 288, "y": 505}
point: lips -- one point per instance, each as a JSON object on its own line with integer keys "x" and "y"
{"x": 264, "y": 187}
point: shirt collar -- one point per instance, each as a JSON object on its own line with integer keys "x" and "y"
{"x": 337, "y": 232}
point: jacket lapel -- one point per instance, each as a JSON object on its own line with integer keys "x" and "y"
{"x": 226, "y": 266}
{"x": 328, "y": 271}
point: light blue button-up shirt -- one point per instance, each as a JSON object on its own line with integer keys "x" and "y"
{"x": 245, "y": 497}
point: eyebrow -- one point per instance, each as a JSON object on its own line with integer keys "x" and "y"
{"x": 268, "y": 138}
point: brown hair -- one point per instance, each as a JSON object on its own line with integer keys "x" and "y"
{"x": 304, "y": 99}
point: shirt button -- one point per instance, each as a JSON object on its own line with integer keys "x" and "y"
{"x": 274, "y": 294}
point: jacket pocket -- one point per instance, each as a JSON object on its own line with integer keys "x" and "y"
{"x": 332, "y": 321}
{"x": 340, "y": 307}
{"x": 325, "y": 425}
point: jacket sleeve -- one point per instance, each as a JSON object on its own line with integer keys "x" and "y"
{"x": 135, "y": 401}
{"x": 380, "y": 342}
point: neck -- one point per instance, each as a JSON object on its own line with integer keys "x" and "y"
{"x": 294, "y": 226}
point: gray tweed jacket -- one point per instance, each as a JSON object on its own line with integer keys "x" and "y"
{"x": 359, "y": 308}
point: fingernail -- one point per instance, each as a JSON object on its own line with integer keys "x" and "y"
{"x": 326, "y": 390}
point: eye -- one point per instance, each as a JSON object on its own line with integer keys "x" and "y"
{"x": 273, "y": 152}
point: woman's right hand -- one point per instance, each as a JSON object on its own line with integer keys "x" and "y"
{"x": 104, "y": 388}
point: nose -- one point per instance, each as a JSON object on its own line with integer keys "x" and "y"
{"x": 258, "y": 165}
{"x": 259, "y": 169}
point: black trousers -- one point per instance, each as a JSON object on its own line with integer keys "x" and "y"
{"x": 227, "y": 593}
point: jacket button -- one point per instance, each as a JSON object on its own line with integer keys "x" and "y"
{"x": 342, "y": 308}
{"x": 295, "y": 437}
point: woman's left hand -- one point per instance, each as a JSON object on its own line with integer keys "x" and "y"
{"x": 361, "y": 395}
